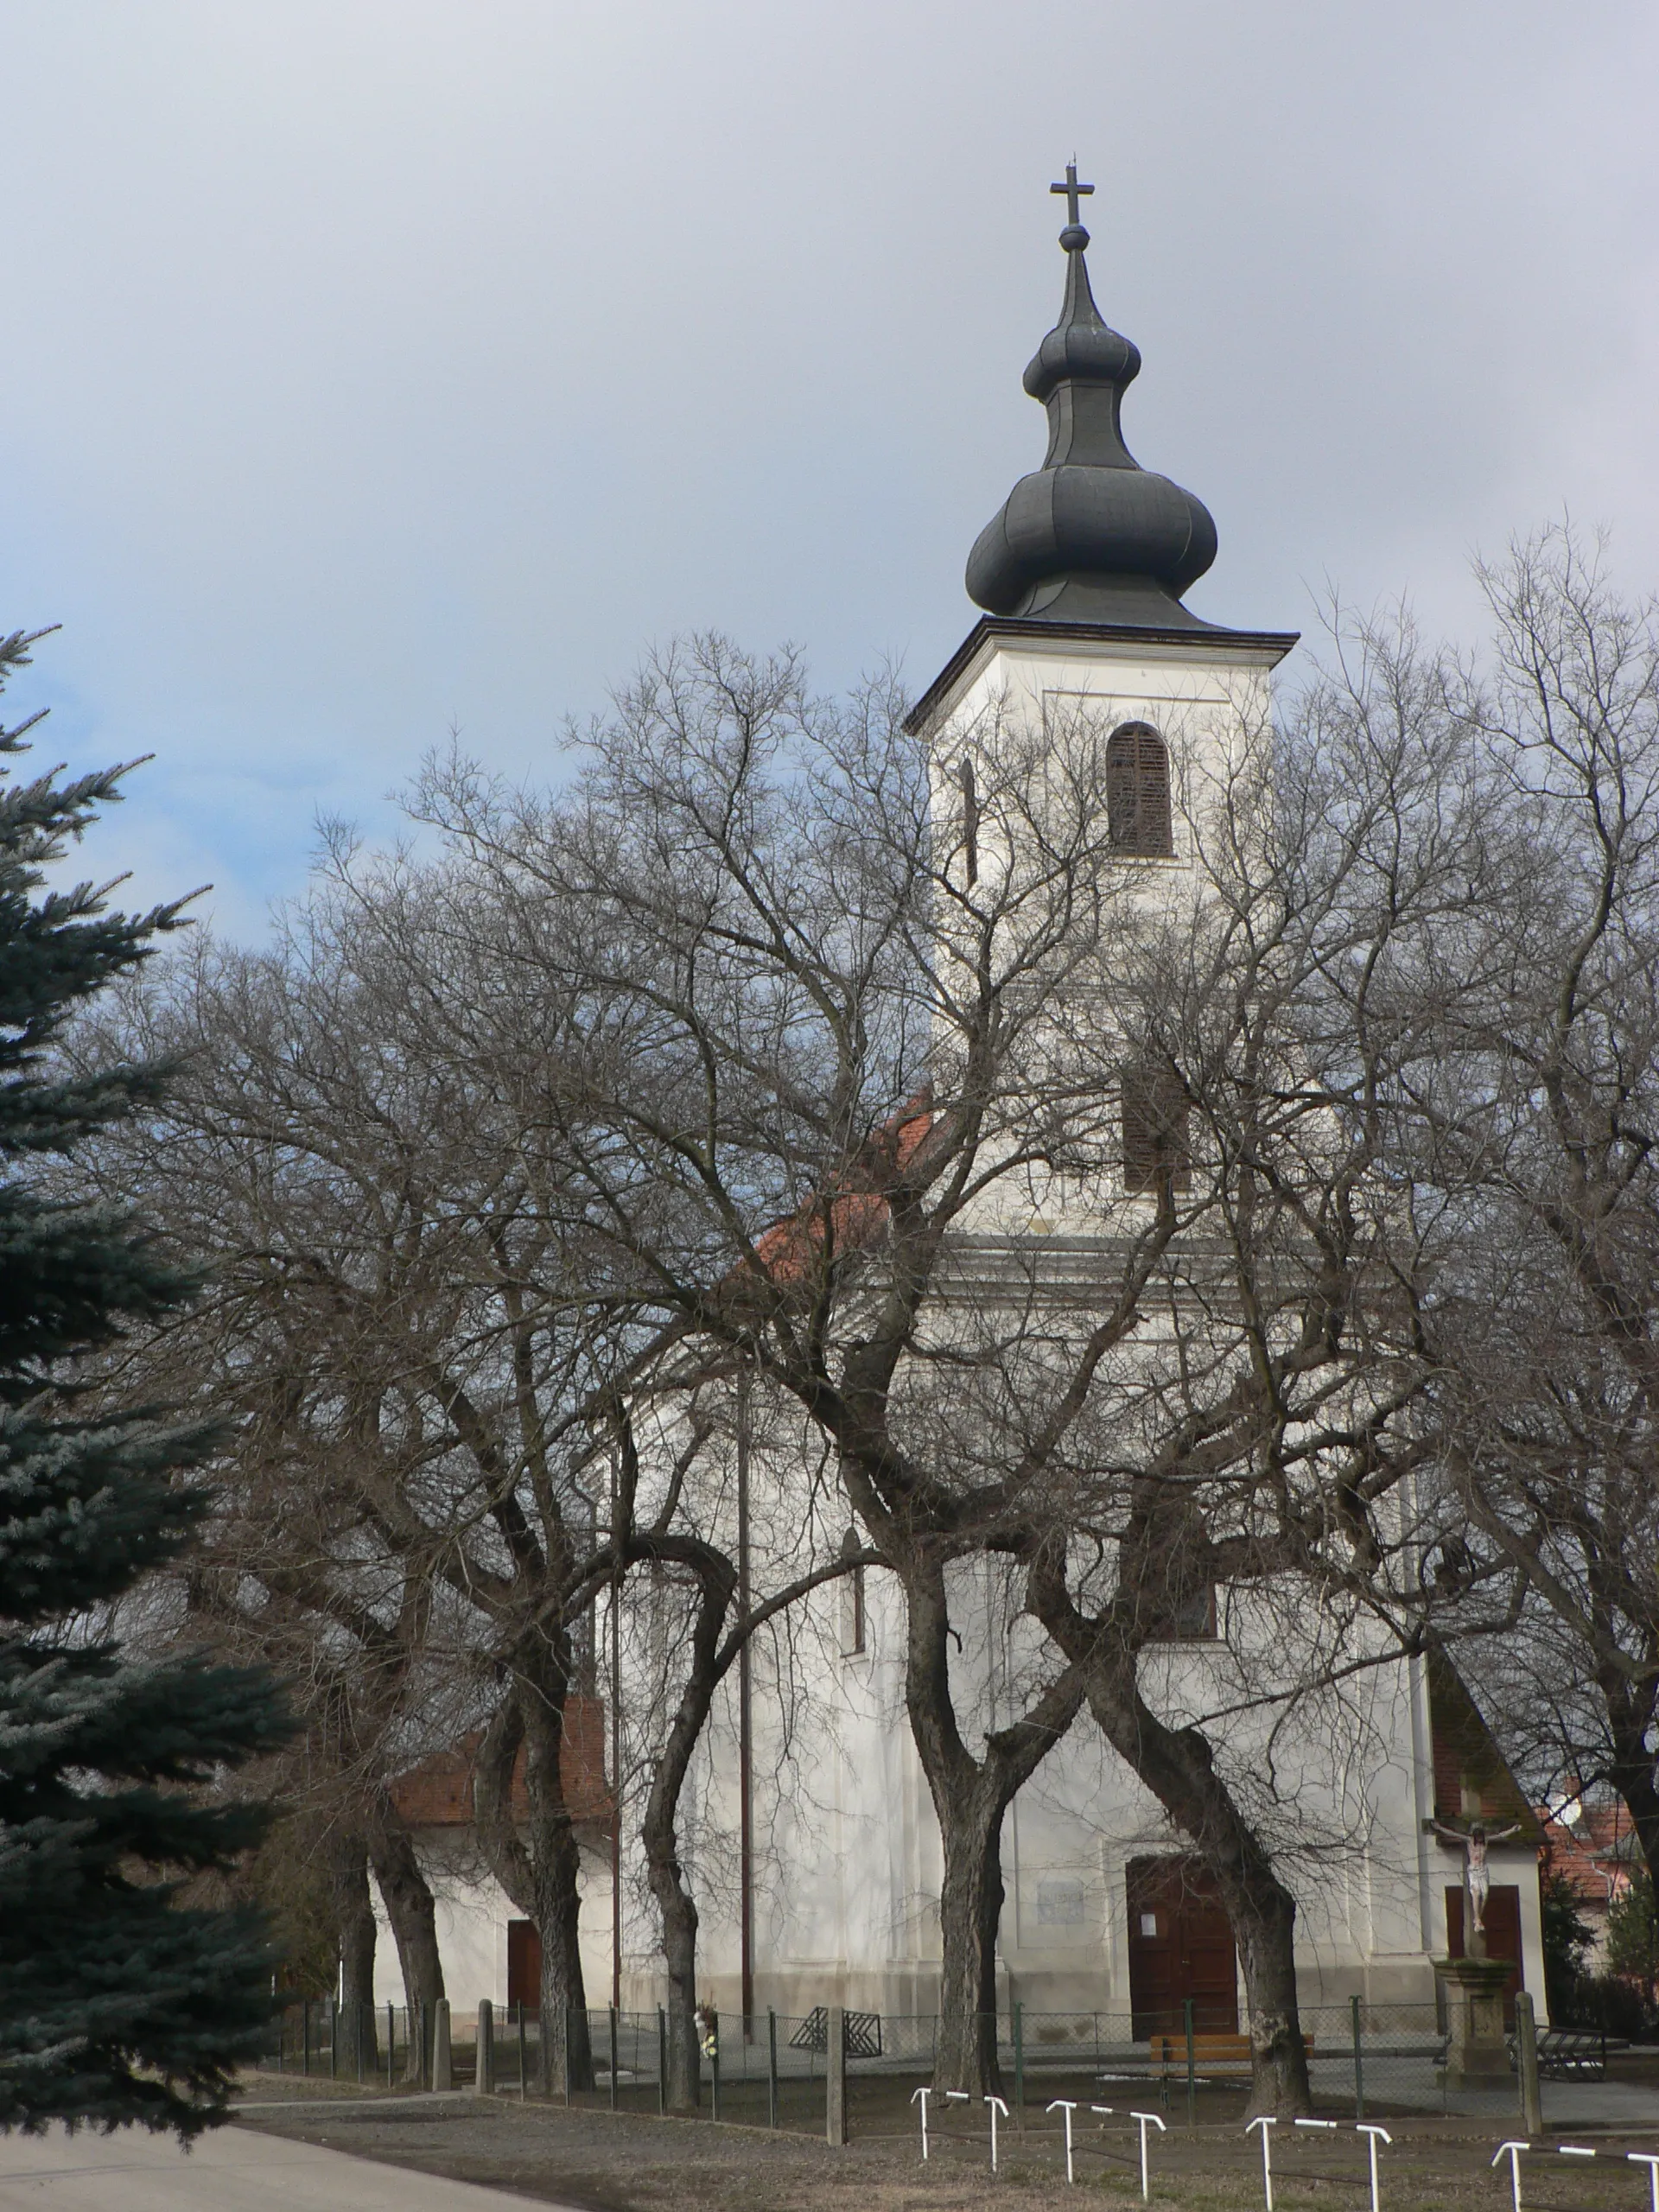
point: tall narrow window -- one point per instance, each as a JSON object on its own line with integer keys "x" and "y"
{"x": 852, "y": 1618}
{"x": 1137, "y": 791}
{"x": 969, "y": 821}
{"x": 1157, "y": 1129}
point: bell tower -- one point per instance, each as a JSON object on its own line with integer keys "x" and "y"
{"x": 1081, "y": 573}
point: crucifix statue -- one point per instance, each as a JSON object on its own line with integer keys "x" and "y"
{"x": 1074, "y": 233}
{"x": 1477, "y": 1877}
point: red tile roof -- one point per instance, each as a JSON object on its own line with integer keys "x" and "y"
{"x": 1466, "y": 1758}
{"x": 1594, "y": 1846}
{"x": 857, "y": 1211}
{"x": 438, "y": 1793}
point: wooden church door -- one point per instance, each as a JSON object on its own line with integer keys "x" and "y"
{"x": 1180, "y": 1946}
{"x": 524, "y": 1965}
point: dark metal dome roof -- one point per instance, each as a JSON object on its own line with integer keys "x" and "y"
{"x": 1091, "y": 537}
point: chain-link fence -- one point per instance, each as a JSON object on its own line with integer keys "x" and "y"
{"x": 776, "y": 2069}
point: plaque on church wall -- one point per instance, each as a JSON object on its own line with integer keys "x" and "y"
{"x": 1060, "y": 1902}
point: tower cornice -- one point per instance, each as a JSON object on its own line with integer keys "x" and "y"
{"x": 1155, "y": 642}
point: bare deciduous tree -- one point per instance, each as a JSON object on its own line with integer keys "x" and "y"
{"x": 839, "y": 1080}
{"x": 1538, "y": 1138}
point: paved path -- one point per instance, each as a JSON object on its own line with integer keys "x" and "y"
{"x": 1625, "y": 2105}
{"x": 229, "y": 2169}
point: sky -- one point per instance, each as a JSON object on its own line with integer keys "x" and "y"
{"x": 376, "y": 369}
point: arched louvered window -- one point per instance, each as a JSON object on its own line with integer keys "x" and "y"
{"x": 1137, "y": 790}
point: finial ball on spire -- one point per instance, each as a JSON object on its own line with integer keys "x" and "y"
{"x": 1073, "y": 237}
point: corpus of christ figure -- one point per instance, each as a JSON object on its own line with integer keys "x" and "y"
{"x": 1477, "y": 1876}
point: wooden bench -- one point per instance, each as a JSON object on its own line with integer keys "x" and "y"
{"x": 1211, "y": 2054}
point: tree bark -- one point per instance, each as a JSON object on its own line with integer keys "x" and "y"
{"x": 970, "y": 1797}
{"x": 660, "y": 1829}
{"x": 541, "y": 1876}
{"x": 567, "y": 2046}
{"x": 678, "y": 1911}
{"x": 348, "y": 1882}
{"x": 1629, "y": 1707}
{"x": 971, "y": 1911}
{"x": 1178, "y": 1766}
{"x": 408, "y": 1900}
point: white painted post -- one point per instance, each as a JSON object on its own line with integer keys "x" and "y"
{"x": 1065, "y": 2105}
{"x": 1513, "y": 2151}
{"x": 1363, "y": 2128}
{"x": 1144, "y": 2117}
{"x": 1647, "y": 2158}
{"x": 922, "y": 2096}
{"x": 1266, "y": 2122}
{"x": 996, "y": 2106}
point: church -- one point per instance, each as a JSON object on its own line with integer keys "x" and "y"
{"x": 812, "y": 1842}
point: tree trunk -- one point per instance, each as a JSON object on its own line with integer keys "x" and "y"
{"x": 409, "y": 1906}
{"x": 971, "y": 1909}
{"x": 659, "y": 1833}
{"x": 539, "y": 1870}
{"x": 683, "y": 2089}
{"x": 1631, "y": 1769}
{"x": 353, "y": 1909}
{"x": 567, "y": 2046}
{"x": 970, "y": 1797}
{"x": 556, "y": 1861}
{"x": 1178, "y": 1766}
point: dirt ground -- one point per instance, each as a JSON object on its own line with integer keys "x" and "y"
{"x": 603, "y": 2161}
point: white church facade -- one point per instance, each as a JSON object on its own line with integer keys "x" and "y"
{"x": 810, "y": 1832}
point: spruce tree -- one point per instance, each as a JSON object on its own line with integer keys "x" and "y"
{"x": 118, "y": 2001}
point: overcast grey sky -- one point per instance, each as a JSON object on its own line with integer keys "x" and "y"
{"x": 378, "y": 364}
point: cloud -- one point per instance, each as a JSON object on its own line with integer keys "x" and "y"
{"x": 378, "y": 367}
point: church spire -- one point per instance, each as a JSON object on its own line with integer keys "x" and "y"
{"x": 1091, "y": 537}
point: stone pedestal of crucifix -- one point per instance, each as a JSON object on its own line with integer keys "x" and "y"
{"x": 1477, "y": 2056}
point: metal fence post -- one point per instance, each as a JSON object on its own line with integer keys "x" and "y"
{"x": 713, "y": 2068}
{"x": 1526, "y": 2065}
{"x": 1359, "y": 2074}
{"x": 1020, "y": 2065}
{"x": 661, "y": 2059}
{"x": 305, "y": 2035}
{"x": 524, "y": 2061}
{"x": 613, "y": 2059}
{"x": 362, "y": 2009}
{"x": 772, "y": 2068}
{"x": 333, "y": 2038}
{"x": 835, "y": 2054}
{"x": 388, "y": 2042}
{"x": 1191, "y": 2070}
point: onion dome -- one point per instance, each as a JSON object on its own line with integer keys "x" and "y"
{"x": 1091, "y": 537}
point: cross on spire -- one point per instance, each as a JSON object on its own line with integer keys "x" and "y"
{"x": 1073, "y": 191}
